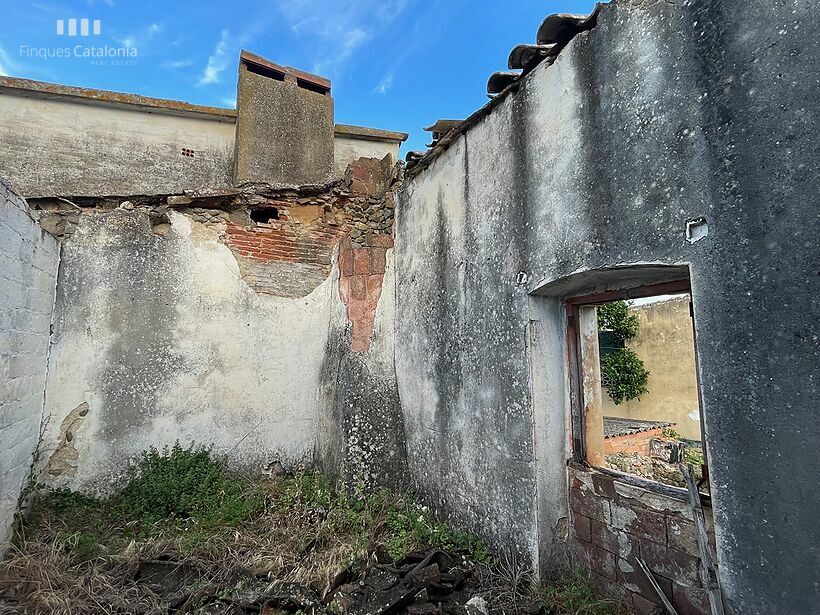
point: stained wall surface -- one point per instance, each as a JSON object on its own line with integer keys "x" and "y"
{"x": 28, "y": 275}
{"x": 662, "y": 114}
{"x": 665, "y": 343}
{"x": 85, "y": 143}
{"x": 64, "y": 148}
{"x": 159, "y": 339}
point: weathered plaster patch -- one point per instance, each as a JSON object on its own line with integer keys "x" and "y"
{"x": 63, "y": 461}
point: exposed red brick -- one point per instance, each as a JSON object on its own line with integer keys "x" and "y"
{"x": 362, "y": 258}
{"x": 612, "y": 540}
{"x": 374, "y": 287}
{"x": 379, "y": 241}
{"x": 680, "y": 535}
{"x": 638, "y": 521}
{"x": 344, "y": 290}
{"x": 601, "y": 562}
{"x": 358, "y": 288}
{"x": 360, "y": 344}
{"x": 361, "y": 312}
{"x": 672, "y": 564}
{"x": 633, "y": 578}
{"x": 587, "y": 503}
{"x": 604, "y": 485}
{"x": 379, "y": 260}
{"x": 625, "y": 529}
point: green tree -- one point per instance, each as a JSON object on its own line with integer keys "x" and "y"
{"x": 615, "y": 317}
{"x": 623, "y": 371}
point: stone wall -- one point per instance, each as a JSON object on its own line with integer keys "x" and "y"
{"x": 28, "y": 272}
{"x": 614, "y": 523}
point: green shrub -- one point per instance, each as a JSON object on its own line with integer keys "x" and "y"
{"x": 411, "y": 527}
{"x": 625, "y": 374}
{"x": 574, "y": 593}
{"x": 180, "y": 483}
{"x": 615, "y": 317}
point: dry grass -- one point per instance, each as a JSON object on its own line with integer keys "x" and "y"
{"x": 74, "y": 555}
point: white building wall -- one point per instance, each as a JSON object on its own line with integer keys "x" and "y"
{"x": 28, "y": 270}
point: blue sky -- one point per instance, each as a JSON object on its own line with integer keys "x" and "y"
{"x": 394, "y": 64}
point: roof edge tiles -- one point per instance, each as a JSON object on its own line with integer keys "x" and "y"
{"x": 288, "y": 73}
{"x": 556, "y": 30}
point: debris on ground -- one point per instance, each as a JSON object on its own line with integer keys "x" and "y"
{"x": 186, "y": 536}
{"x": 653, "y": 468}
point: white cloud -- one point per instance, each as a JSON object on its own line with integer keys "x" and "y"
{"x": 217, "y": 62}
{"x": 140, "y": 40}
{"x": 385, "y": 84}
{"x": 338, "y": 31}
{"x": 347, "y": 46}
{"x": 177, "y": 64}
{"x": 7, "y": 67}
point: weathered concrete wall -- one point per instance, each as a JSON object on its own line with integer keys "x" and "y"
{"x": 130, "y": 144}
{"x": 284, "y": 132}
{"x": 235, "y": 332}
{"x": 359, "y": 377}
{"x": 665, "y": 343}
{"x": 663, "y": 113}
{"x": 60, "y": 146}
{"x": 348, "y": 149}
{"x": 28, "y": 275}
{"x": 159, "y": 338}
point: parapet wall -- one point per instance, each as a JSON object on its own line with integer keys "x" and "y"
{"x": 28, "y": 277}
{"x": 61, "y": 140}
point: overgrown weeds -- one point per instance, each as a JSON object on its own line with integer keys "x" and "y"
{"x": 184, "y": 510}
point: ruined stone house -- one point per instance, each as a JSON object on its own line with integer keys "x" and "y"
{"x": 275, "y": 284}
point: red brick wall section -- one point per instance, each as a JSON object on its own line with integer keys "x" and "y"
{"x": 631, "y": 443}
{"x": 614, "y": 523}
{"x": 290, "y": 256}
{"x": 361, "y": 273}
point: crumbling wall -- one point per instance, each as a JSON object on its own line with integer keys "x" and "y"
{"x": 161, "y": 339}
{"x": 615, "y": 523}
{"x": 664, "y": 113}
{"x": 28, "y": 272}
{"x": 190, "y": 317}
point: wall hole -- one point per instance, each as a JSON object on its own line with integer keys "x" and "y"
{"x": 263, "y": 215}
